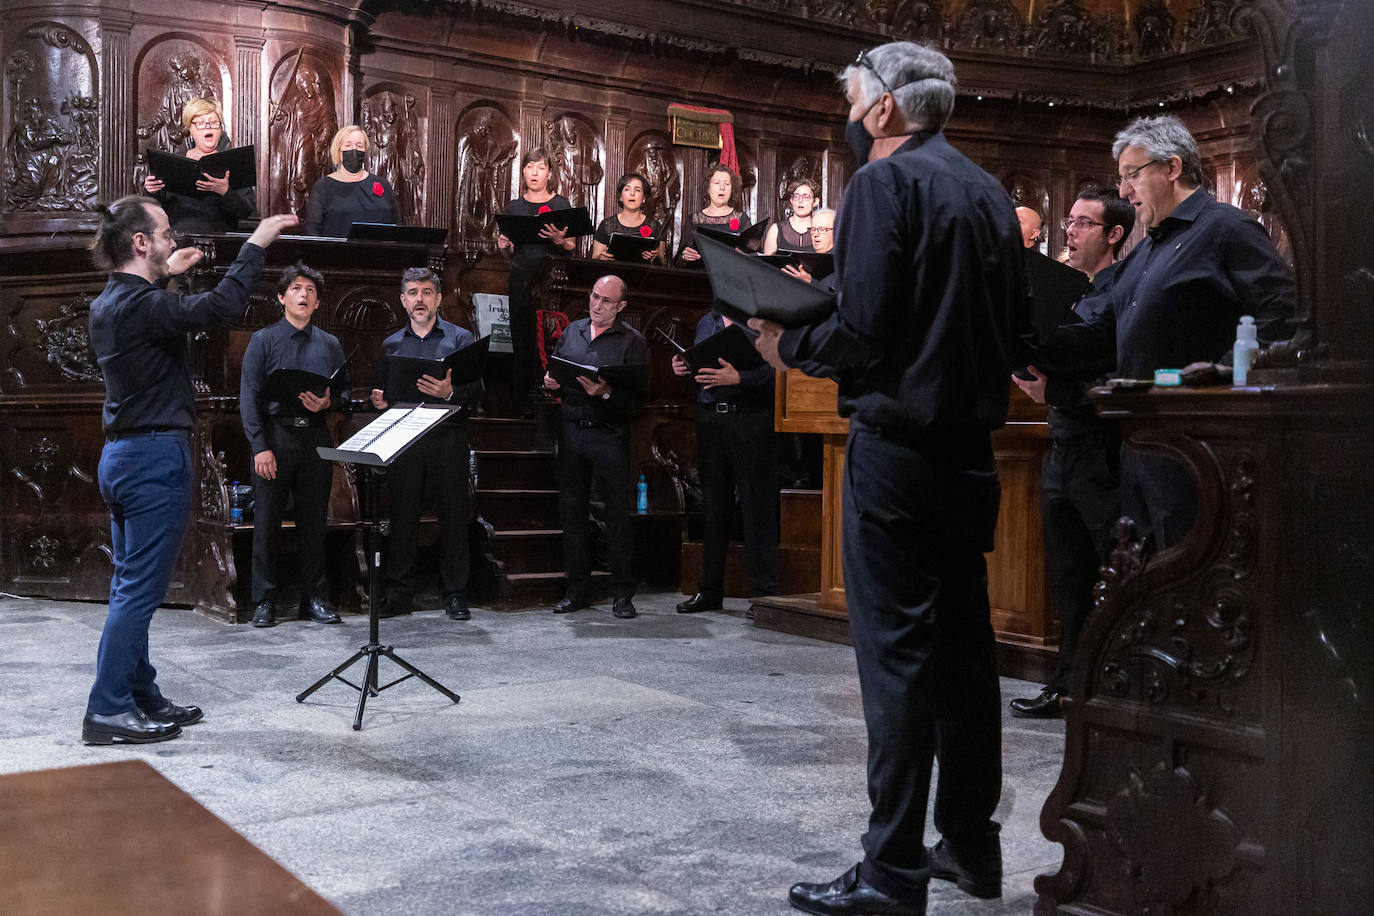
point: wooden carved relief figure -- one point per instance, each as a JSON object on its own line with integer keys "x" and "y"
{"x": 652, "y": 156}
{"x": 302, "y": 124}
{"x": 381, "y": 123}
{"x": 163, "y": 128}
{"x": 486, "y": 149}
{"x": 412, "y": 155}
{"x": 577, "y": 169}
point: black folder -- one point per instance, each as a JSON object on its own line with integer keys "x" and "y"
{"x": 732, "y": 344}
{"x": 402, "y": 372}
{"x": 181, "y": 174}
{"x": 1054, "y": 288}
{"x": 566, "y": 372}
{"x": 749, "y": 240}
{"x": 524, "y": 230}
{"x": 627, "y": 247}
{"x": 749, "y": 287}
{"x": 285, "y": 385}
{"x": 389, "y": 232}
{"x": 818, "y": 265}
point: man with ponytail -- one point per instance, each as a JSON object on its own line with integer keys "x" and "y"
{"x": 138, "y": 333}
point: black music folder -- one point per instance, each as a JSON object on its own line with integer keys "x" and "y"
{"x": 732, "y": 344}
{"x": 402, "y": 372}
{"x": 749, "y": 287}
{"x": 1053, "y": 289}
{"x": 748, "y": 240}
{"x": 818, "y": 264}
{"x": 566, "y": 372}
{"x": 524, "y": 230}
{"x": 627, "y": 247}
{"x": 285, "y": 385}
{"x": 389, "y": 232}
{"x": 181, "y": 174}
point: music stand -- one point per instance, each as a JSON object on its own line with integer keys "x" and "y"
{"x": 375, "y": 447}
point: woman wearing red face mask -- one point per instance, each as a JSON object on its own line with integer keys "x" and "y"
{"x": 221, "y": 207}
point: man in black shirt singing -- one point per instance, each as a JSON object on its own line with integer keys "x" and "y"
{"x": 440, "y": 458}
{"x": 138, "y": 333}
{"x": 283, "y": 436}
{"x": 929, "y": 266}
{"x": 596, "y": 441}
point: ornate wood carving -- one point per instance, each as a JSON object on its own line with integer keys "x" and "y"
{"x": 792, "y": 166}
{"x": 651, "y": 155}
{"x": 396, "y": 149}
{"x": 301, "y": 124}
{"x": 170, "y": 72}
{"x": 487, "y": 146}
{"x": 576, "y": 148}
{"x": 66, "y": 341}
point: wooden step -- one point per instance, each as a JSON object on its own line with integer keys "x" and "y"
{"x": 516, "y": 469}
{"x": 519, "y": 510}
{"x": 544, "y": 589}
{"x": 494, "y": 433}
{"x": 529, "y": 550}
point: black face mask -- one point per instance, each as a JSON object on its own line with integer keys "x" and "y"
{"x": 857, "y": 136}
{"x": 352, "y": 160}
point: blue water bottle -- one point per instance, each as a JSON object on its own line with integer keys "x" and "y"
{"x": 642, "y": 497}
{"x": 235, "y": 505}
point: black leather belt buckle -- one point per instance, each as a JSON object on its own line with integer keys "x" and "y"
{"x": 722, "y": 407}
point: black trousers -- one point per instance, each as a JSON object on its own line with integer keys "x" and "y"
{"x": 603, "y": 453}
{"x": 1158, "y": 492}
{"x": 738, "y": 450}
{"x": 438, "y": 465}
{"x": 917, "y": 519}
{"x": 303, "y": 477}
{"x": 523, "y": 335}
{"x": 1080, "y": 500}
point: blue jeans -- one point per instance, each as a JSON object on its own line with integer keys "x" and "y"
{"x": 146, "y": 481}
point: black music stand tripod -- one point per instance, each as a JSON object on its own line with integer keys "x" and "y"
{"x": 372, "y": 469}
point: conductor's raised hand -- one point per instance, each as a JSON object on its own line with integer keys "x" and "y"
{"x": 313, "y": 402}
{"x": 770, "y": 332}
{"x": 436, "y": 387}
{"x": 271, "y": 227}
{"x": 718, "y": 378}
{"x": 183, "y": 259}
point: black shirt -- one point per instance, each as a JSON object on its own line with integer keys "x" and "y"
{"x": 527, "y": 257}
{"x": 336, "y": 205}
{"x": 284, "y": 346}
{"x": 612, "y": 225}
{"x": 1071, "y": 415}
{"x": 790, "y": 239}
{"x": 138, "y": 333}
{"x": 755, "y": 388}
{"x": 444, "y": 338}
{"x": 702, "y": 218}
{"x": 1182, "y": 290}
{"x": 929, "y": 267}
{"x": 618, "y": 345}
{"x": 211, "y": 213}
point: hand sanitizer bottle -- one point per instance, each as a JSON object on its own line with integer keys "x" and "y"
{"x": 1246, "y": 346}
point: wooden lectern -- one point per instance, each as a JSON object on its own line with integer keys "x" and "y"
{"x": 1027, "y": 632}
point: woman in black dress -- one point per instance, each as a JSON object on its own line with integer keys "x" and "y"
{"x": 349, "y": 194}
{"x": 537, "y": 196}
{"x": 793, "y": 231}
{"x": 220, "y": 208}
{"x": 720, "y": 190}
{"x": 633, "y": 219}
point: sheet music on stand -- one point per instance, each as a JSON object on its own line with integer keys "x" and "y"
{"x": 381, "y": 441}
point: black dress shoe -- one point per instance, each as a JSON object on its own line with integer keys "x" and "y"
{"x": 569, "y": 604}
{"x": 131, "y": 727}
{"x": 457, "y": 608}
{"x": 164, "y": 710}
{"x": 699, "y": 602}
{"x": 264, "y": 614}
{"x": 623, "y": 608}
{"x": 850, "y": 895}
{"x": 979, "y": 875}
{"x": 316, "y": 610}
{"x": 1045, "y": 706}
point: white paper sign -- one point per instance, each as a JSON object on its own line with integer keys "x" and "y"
{"x": 493, "y": 317}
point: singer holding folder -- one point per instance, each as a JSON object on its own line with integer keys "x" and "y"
{"x": 283, "y": 436}
{"x": 219, "y": 207}
{"x": 441, "y": 458}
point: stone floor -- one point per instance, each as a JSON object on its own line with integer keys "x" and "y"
{"x": 668, "y": 764}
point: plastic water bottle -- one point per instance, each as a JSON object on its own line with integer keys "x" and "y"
{"x": 235, "y": 505}
{"x": 1244, "y": 353}
{"x": 642, "y": 496}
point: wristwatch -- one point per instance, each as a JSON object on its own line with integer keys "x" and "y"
{"x": 606, "y": 396}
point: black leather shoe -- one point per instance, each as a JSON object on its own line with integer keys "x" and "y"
{"x": 850, "y": 895}
{"x": 1045, "y": 706}
{"x": 264, "y": 614}
{"x": 457, "y": 608}
{"x": 623, "y": 608}
{"x": 164, "y": 710}
{"x": 568, "y": 605}
{"x": 697, "y": 603}
{"x": 131, "y": 727}
{"x": 318, "y": 611}
{"x": 979, "y": 875}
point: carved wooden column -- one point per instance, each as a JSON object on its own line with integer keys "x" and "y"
{"x": 617, "y": 120}
{"x": 115, "y": 89}
{"x": 247, "y": 114}
{"x": 439, "y": 157}
{"x": 765, "y": 194}
{"x": 531, "y": 130}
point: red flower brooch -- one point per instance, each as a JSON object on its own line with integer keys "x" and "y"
{"x": 646, "y": 231}
{"x": 734, "y": 225}
{"x": 546, "y": 209}
{"x": 377, "y": 189}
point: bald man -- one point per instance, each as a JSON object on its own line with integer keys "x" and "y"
{"x": 1030, "y": 226}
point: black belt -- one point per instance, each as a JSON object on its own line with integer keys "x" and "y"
{"x": 296, "y": 422}
{"x": 727, "y": 407}
{"x": 177, "y": 431}
{"x": 596, "y": 424}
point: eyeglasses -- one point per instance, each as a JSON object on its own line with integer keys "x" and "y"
{"x": 822, "y": 228}
{"x": 1081, "y": 224}
{"x": 1130, "y": 175}
{"x": 863, "y": 61}
{"x": 803, "y": 196}
{"x": 205, "y": 125}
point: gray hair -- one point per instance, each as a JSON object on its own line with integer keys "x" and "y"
{"x": 921, "y": 80}
{"x": 1163, "y": 137}
{"x": 822, "y": 211}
